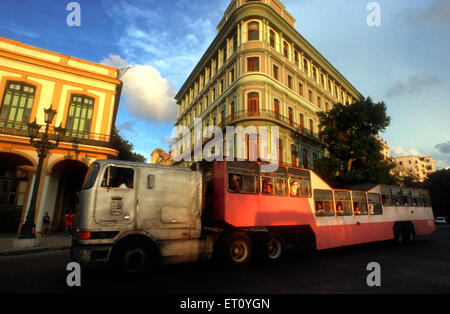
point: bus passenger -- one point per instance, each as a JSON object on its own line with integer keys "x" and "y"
{"x": 357, "y": 212}
{"x": 319, "y": 209}
{"x": 371, "y": 208}
{"x": 295, "y": 188}
{"x": 339, "y": 210}
{"x": 233, "y": 184}
{"x": 267, "y": 188}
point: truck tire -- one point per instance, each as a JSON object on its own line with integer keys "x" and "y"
{"x": 272, "y": 248}
{"x": 134, "y": 258}
{"x": 236, "y": 249}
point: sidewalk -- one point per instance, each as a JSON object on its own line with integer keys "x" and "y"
{"x": 52, "y": 242}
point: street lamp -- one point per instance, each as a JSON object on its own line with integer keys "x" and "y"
{"x": 42, "y": 146}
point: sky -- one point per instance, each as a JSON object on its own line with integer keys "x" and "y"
{"x": 403, "y": 62}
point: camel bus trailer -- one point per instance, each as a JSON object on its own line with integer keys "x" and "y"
{"x": 136, "y": 215}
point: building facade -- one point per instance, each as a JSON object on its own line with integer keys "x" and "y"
{"x": 416, "y": 166}
{"x": 259, "y": 71}
{"x": 85, "y": 96}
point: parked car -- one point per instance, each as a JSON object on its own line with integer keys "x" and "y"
{"x": 440, "y": 220}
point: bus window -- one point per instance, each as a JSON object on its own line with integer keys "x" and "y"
{"x": 386, "y": 197}
{"x": 274, "y": 183}
{"x": 118, "y": 177}
{"x": 343, "y": 203}
{"x": 426, "y": 198}
{"x": 417, "y": 201}
{"x": 406, "y": 197}
{"x": 374, "y": 204}
{"x": 91, "y": 176}
{"x": 299, "y": 183}
{"x": 323, "y": 202}
{"x": 359, "y": 203}
{"x": 396, "y": 196}
{"x": 243, "y": 177}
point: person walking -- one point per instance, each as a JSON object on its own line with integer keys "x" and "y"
{"x": 68, "y": 224}
{"x": 46, "y": 222}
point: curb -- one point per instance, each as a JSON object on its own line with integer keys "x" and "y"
{"x": 32, "y": 251}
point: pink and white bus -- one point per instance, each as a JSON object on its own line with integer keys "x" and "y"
{"x": 293, "y": 205}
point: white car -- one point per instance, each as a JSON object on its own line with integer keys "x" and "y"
{"x": 440, "y": 220}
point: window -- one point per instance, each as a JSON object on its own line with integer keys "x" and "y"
{"x": 386, "y": 198}
{"x": 323, "y": 202}
{"x": 305, "y": 65}
{"x": 319, "y": 104}
{"x": 79, "y": 117}
{"x": 406, "y": 197}
{"x": 302, "y": 122}
{"x": 274, "y": 183}
{"x": 296, "y": 58}
{"x": 299, "y": 183}
{"x": 91, "y": 176}
{"x": 305, "y": 159}
{"x": 291, "y": 115}
{"x": 253, "y": 31}
{"x": 300, "y": 89}
{"x": 426, "y": 198}
{"x": 359, "y": 203}
{"x": 326, "y": 107}
{"x": 280, "y": 151}
{"x": 253, "y": 64}
{"x": 374, "y": 204}
{"x": 231, "y": 75}
{"x": 16, "y": 105}
{"x": 315, "y": 73}
{"x": 252, "y": 147}
{"x": 290, "y": 81}
{"x": 118, "y": 177}
{"x": 243, "y": 177}
{"x": 253, "y": 102}
{"x": 396, "y": 195}
{"x": 275, "y": 72}
{"x": 276, "y": 108}
{"x": 286, "y": 49}
{"x": 343, "y": 203}
{"x": 417, "y": 201}
{"x": 310, "y": 95}
{"x": 311, "y": 126}
{"x": 294, "y": 155}
{"x": 272, "y": 38}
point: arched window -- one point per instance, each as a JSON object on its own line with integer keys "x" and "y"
{"x": 253, "y": 31}
{"x": 253, "y": 103}
{"x": 17, "y": 104}
{"x": 79, "y": 117}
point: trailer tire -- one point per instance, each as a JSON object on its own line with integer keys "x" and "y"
{"x": 398, "y": 234}
{"x": 272, "y": 248}
{"x": 236, "y": 249}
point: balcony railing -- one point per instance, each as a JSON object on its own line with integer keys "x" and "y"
{"x": 271, "y": 115}
{"x": 15, "y": 128}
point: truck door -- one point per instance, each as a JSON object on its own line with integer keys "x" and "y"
{"x": 116, "y": 197}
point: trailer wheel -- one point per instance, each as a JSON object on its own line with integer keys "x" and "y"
{"x": 236, "y": 249}
{"x": 398, "y": 234}
{"x": 272, "y": 248}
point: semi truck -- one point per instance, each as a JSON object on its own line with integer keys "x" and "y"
{"x": 137, "y": 215}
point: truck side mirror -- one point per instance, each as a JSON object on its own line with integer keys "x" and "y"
{"x": 151, "y": 181}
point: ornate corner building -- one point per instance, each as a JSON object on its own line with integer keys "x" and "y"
{"x": 259, "y": 71}
{"x": 86, "y": 97}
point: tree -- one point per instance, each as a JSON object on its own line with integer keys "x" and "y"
{"x": 438, "y": 183}
{"x": 350, "y": 133}
{"x": 124, "y": 147}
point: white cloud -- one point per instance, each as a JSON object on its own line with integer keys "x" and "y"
{"x": 149, "y": 96}
{"x": 442, "y": 164}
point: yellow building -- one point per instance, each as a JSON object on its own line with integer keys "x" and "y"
{"x": 259, "y": 71}
{"x": 416, "y": 166}
{"x": 86, "y": 97}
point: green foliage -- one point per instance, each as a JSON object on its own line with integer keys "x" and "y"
{"x": 354, "y": 151}
{"x": 124, "y": 147}
{"x": 438, "y": 183}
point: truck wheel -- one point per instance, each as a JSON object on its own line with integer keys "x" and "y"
{"x": 134, "y": 258}
{"x": 236, "y": 249}
{"x": 272, "y": 248}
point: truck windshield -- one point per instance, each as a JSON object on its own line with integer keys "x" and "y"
{"x": 91, "y": 176}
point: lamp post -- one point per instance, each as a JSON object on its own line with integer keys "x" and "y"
{"x": 42, "y": 145}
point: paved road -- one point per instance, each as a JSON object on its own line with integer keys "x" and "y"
{"x": 423, "y": 267}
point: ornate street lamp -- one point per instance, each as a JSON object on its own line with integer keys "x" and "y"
{"x": 42, "y": 145}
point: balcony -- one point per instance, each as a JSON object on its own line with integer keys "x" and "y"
{"x": 270, "y": 115}
{"x": 14, "y": 128}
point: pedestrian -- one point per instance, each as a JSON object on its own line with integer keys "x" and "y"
{"x": 46, "y": 222}
{"x": 68, "y": 224}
